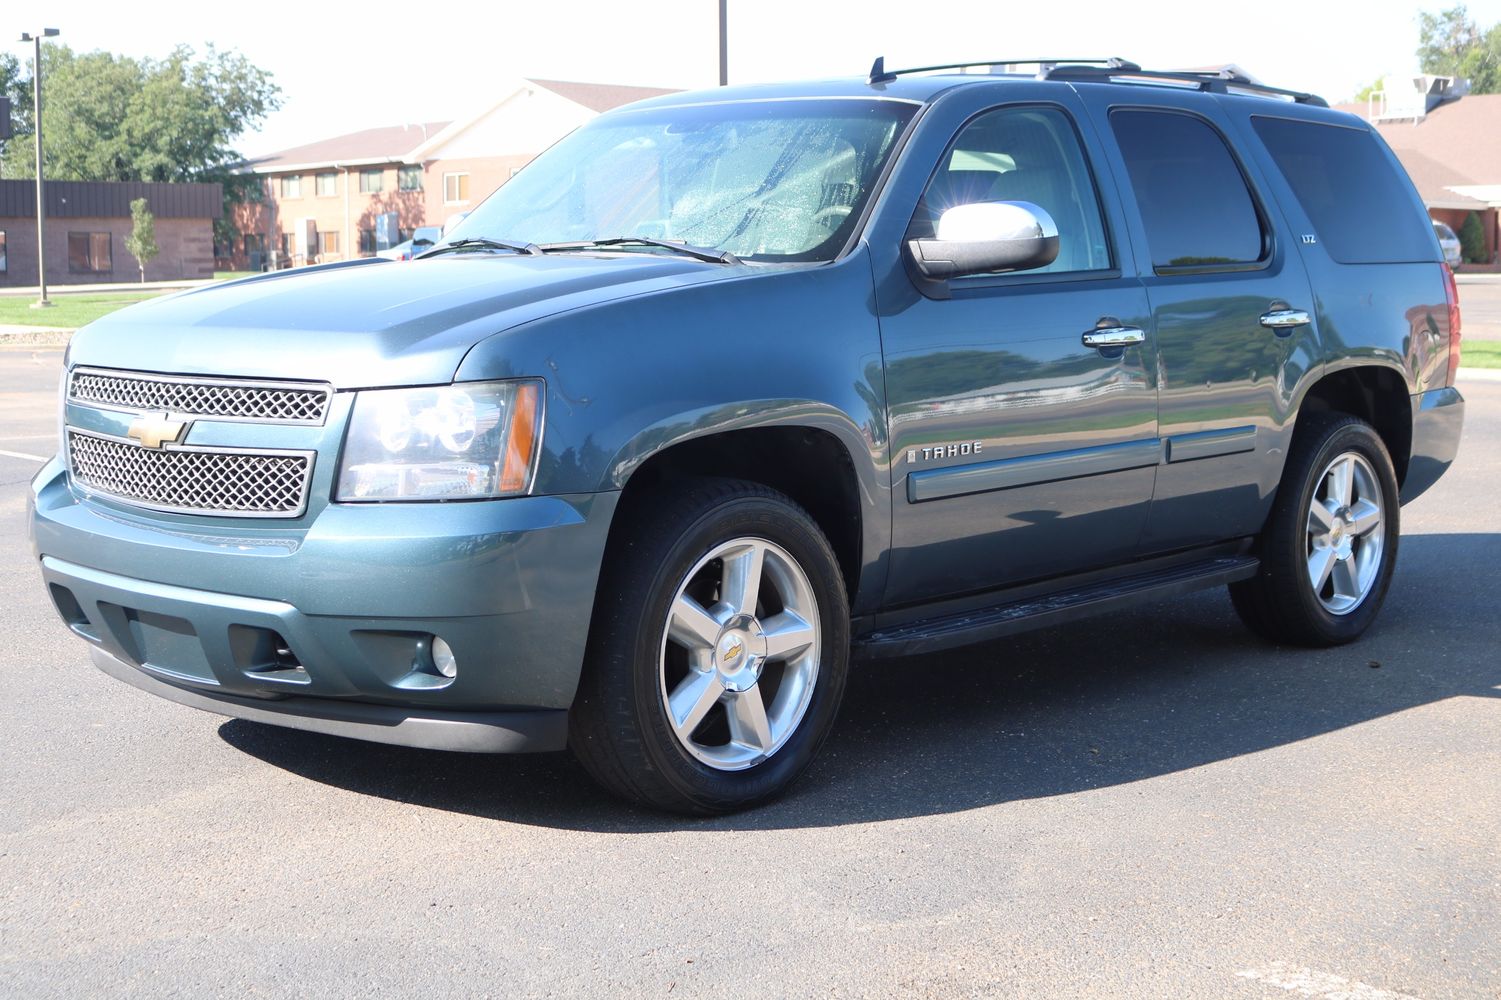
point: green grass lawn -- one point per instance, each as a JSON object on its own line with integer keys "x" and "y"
{"x": 231, "y": 275}
{"x": 67, "y": 311}
{"x": 1480, "y": 353}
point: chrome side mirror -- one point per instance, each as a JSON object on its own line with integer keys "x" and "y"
{"x": 986, "y": 237}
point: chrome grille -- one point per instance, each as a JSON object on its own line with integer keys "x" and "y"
{"x": 224, "y": 399}
{"x": 224, "y": 481}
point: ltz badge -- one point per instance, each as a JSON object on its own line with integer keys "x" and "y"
{"x": 915, "y": 455}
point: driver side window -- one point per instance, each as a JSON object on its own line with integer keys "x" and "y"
{"x": 1029, "y": 154}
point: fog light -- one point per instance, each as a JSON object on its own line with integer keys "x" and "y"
{"x": 443, "y": 658}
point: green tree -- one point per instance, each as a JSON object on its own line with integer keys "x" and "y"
{"x": 1472, "y": 240}
{"x": 15, "y": 84}
{"x": 110, "y": 117}
{"x": 1364, "y": 93}
{"x": 1451, "y": 44}
{"x": 141, "y": 243}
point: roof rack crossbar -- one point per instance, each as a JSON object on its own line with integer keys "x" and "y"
{"x": 1219, "y": 82}
{"x": 880, "y": 74}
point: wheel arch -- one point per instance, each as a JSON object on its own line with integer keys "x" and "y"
{"x": 1377, "y": 394}
{"x": 811, "y": 462}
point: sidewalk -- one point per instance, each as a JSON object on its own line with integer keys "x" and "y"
{"x": 58, "y": 291}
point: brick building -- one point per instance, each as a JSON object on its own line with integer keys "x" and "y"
{"x": 86, "y": 226}
{"x": 350, "y": 195}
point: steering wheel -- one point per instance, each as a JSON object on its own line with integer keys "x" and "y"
{"x": 832, "y": 215}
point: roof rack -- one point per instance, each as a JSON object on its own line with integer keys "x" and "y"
{"x": 1113, "y": 70}
{"x": 880, "y": 74}
{"x": 1220, "y": 82}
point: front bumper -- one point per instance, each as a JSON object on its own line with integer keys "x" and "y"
{"x": 329, "y": 627}
{"x": 1438, "y": 417}
{"x": 471, "y": 732}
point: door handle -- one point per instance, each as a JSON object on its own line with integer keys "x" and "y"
{"x": 1113, "y": 336}
{"x": 1285, "y": 319}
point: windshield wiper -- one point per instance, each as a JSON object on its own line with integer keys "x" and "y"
{"x": 482, "y": 243}
{"x": 709, "y": 254}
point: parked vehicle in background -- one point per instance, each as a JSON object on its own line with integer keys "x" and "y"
{"x": 401, "y": 251}
{"x": 423, "y": 239}
{"x": 725, "y": 384}
{"x": 1448, "y": 242}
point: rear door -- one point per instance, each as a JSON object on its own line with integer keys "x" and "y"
{"x": 1020, "y": 452}
{"x": 1231, "y": 306}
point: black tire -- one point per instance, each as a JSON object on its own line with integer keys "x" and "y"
{"x": 1280, "y": 602}
{"x": 619, "y": 728}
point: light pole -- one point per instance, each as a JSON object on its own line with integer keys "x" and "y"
{"x": 41, "y": 208}
{"x": 724, "y": 43}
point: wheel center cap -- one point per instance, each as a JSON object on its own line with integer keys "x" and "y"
{"x": 740, "y": 653}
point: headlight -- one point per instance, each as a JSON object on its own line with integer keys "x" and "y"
{"x": 452, "y": 442}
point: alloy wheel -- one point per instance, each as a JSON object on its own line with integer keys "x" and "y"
{"x": 1346, "y": 531}
{"x": 740, "y": 654}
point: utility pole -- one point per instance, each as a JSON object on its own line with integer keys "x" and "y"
{"x": 724, "y": 44}
{"x": 41, "y": 207}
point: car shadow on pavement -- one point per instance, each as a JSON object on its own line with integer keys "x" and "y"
{"x": 1130, "y": 696}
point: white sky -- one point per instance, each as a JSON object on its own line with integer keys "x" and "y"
{"x": 354, "y": 64}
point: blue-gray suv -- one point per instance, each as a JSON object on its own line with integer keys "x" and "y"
{"x": 729, "y": 387}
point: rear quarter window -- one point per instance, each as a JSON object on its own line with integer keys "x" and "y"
{"x": 1362, "y": 211}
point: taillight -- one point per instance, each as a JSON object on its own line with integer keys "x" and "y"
{"x": 1451, "y": 291}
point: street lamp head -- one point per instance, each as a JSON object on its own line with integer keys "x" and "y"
{"x": 27, "y": 36}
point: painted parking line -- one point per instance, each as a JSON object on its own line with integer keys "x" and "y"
{"x": 22, "y": 454}
{"x": 1308, "y": 983}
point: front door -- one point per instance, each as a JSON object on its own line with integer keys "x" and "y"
{"x": 1019, "y": 451}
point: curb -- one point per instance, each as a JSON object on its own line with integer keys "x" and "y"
{"x": 41, "y": 337}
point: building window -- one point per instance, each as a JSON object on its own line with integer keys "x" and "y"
{"x": 4, "y": 267}
{"x": 409, "y": 179}
{"x": 328, "y": 242}
{"x": 367, "y": 241}
{"x": 328, "y": 185}
{"x": 372, "y": 181}
{"x": 90, "y": 253}
{"x": 455, "y": 188}
{"x": 291, "y": 186}
{"x": 286, "y": 245}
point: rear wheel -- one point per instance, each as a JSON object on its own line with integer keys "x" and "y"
{"x": 1330, "y": 545}
{"x": 718, "y": 653}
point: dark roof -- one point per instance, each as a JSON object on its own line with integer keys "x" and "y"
{"x": 389, "y": 144}
{"x": 1434, "y": 179}
{"x": 111, "y": 199}
{"x": 600, "y": 96}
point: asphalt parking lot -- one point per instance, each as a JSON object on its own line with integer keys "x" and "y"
{"x": 1151, "y": 805}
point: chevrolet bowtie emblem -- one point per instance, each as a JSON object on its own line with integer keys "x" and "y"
{"x": 155, "y": 429}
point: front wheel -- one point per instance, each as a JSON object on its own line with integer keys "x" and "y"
{"x": 1330, "y": 545}
{"x": 718, "y": 652}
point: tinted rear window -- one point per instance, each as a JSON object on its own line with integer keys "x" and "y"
{"x": 1362, "y": 211}
{"x": 1193, "y": 199}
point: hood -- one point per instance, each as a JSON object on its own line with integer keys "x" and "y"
{"x": 370, "y": 322}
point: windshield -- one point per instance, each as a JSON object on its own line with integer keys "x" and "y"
{"x": 765, "y": 180}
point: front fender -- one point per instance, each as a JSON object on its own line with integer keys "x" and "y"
{"x": 771, "y": 347}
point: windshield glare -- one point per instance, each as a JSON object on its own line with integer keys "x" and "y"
{"x": 766, "y": 180}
